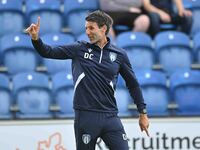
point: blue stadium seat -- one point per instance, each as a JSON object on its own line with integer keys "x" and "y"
{"x": 63, "y": 90}
{"x": 11, "y": 16}
{"x": 1, "y": 57}
{"x": 5, "y": 98}
{"x": 173, "y": 51}
{"x": 49, "y": 11}
{"x": 121, "y": 28}
{"x": 138, "y": 47}
{"x": 167, "y": 26}
{"x": 18, "y": 53}
{"x": 56, "y": 39}
{"x": 75, "y": 12}
{"x": 192, "y": 4}
{"x": 185, "y": 89}
{"x": 83, "y": 37}
{"x": 196, "y": 42}
{"x": 188, "y": 4}
{"x": 33, "y": 96}
{"x": 196, "y": 22}
{"x": 123, "y": 99}
{"x": 155, "y": 91}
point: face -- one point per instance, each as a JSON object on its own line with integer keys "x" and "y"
{"x": 94, "y": 33}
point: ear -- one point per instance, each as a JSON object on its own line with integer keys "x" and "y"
{"x": 104, "y": 28}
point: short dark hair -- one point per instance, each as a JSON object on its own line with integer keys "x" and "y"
{"x": 101, "y": 18}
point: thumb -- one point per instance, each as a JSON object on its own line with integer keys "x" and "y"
{"x": 27, "y": 30}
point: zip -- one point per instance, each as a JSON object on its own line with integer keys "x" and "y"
{"x": 100, "y": 59}
{"x": 101, "y": 56}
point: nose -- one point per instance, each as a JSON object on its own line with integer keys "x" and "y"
{"x": 87, "y": 31}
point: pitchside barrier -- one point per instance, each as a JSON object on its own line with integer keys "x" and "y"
{"x": 165, "y": 133}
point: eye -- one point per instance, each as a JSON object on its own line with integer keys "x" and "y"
{"x": 91, "y": 28}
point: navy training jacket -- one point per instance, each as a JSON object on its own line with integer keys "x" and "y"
{"x": 95, "y": 72}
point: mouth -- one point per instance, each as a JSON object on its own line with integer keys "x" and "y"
{"x": 90, "y": 37}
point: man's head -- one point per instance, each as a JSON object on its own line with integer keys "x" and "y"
{"x": 98, "y": 24}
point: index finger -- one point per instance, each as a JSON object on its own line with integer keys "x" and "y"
{"x": 38, "y": 21}
{"x": 147, "y": 132}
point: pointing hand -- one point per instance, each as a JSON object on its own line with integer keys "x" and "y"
{"x": 33, "y": 30}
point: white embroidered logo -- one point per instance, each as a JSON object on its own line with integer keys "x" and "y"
{"x": 113, "y": 56}
{"x": 124, "y": 137}
{"x": 86, "y": 138}
{"x": 88, "y": 56}
{"x": 89, "y": 50}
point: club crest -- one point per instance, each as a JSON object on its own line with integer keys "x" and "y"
{"x": 113, "y": 56}
{"x": 90, "y": 50}
{"x": 124, "y": 137}
{"x": 86, "y": 138}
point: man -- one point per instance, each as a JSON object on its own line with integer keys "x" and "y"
{"x": 126, "y": 13}
{"x": 162, "y": 11}
{"x": 95, "y": 67}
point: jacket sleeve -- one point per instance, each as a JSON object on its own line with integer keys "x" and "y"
{"x": 132, "y": 83}
{"x": 58, "y": 52}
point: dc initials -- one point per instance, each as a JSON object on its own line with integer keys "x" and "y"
{"x": 88, "y": 56}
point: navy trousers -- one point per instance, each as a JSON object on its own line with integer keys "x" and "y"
{"x": 89, "y": 126}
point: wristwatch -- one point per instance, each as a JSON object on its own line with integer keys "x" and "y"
{"x": 143, "y": 111}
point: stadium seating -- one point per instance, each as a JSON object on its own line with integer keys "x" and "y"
{"x": 18, "y": 53}
{"x": 49, "y": 11}
{"x": 121, "y": 28}
{"x": 197, "y": 47}
{"x": 32, "y": 94}
{"x": 187, "y": 4}
{"x": 138, "y": 47}
{"x": 185, "y": 91}
{"x": 83, "y": 37}
{"x": 123, "y": 99}
{"x": 56, "y": 39}
{"x": 173, "y": 51}
{"x": 1, "y": 57}
{"x": 5, "y": 98}
{"x": 63, "y": 94}
{"x": 155, "y": 91}
{"x": 11, "y": 17}
{"x": 196, "y": 22}
{"x": 75, "y": 12}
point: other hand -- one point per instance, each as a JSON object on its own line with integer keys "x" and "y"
{"x": 144, "y": 123}
{"x": 165, "y": 17}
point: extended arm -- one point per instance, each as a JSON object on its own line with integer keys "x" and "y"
{"x": 135, "y": 92}
{"x": 59, "y": 52}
